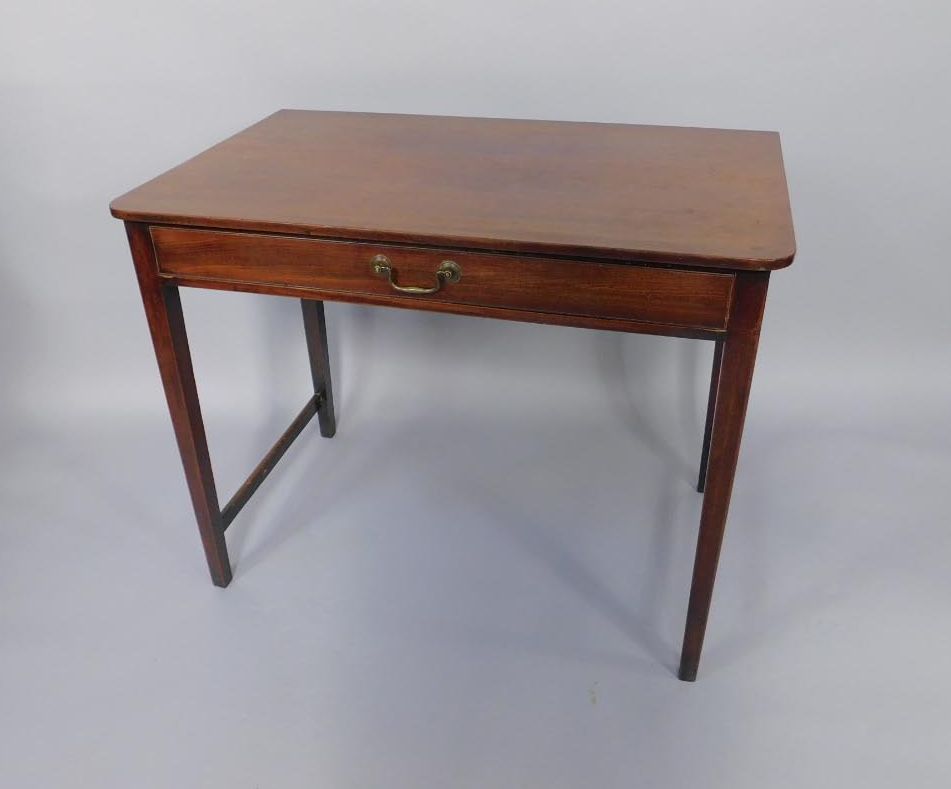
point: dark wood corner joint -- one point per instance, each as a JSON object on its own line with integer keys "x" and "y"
{"x": 655, "y": 230}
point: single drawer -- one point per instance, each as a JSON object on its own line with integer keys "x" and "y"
{"x": 605, "y": 290}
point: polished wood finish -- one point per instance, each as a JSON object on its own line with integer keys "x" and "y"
{"x": 163, "y": 309}
{"x": 653, "y": 230}
{"x": 706, "y": 197}
{"x": 315, "y": 332}
{"x": 711, "y": 405}
{"x": 502, "y": 313}
{"x": 268, "y": 462}
{"x": 696, "y": 299}
{"x": 733, "y": 390}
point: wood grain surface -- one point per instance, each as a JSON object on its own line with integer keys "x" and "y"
{"x": 703, "y": 197}
{"x": 698, "y": 299}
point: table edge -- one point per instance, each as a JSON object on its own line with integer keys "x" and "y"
{"x": 772, "y": 262}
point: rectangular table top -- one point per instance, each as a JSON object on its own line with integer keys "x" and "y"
{"x": 703, "y": 197}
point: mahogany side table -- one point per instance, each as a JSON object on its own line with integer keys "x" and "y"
{"x": 657, "y": 230}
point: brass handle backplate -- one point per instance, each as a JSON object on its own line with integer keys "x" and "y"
{"x": 448, "y": 271}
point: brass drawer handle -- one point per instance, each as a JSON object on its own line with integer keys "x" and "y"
{"x": 448, "y": 271}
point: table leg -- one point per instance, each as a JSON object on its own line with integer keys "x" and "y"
{"x": 711, "y": 406}
{"x": 163, "y": 308}
{"x": 315, "y": 330}
{"x": 732, "y": 395}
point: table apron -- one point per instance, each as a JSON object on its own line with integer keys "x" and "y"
{"x": 618, "y": 296}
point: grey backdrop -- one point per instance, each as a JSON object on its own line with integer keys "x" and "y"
{"x": 481, "y": 581}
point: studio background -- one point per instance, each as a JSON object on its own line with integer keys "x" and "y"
{"x": 482, "y": 579}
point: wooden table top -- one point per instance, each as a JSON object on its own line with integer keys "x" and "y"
{"x": 705, "y": 197}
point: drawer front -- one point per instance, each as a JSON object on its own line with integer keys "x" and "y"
{"x": 605, "y": 290}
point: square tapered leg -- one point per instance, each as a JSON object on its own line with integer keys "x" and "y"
{"x": 315, "y": 330}
{"x": 163, "y": 308}
{"x": 732, "y": 395}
